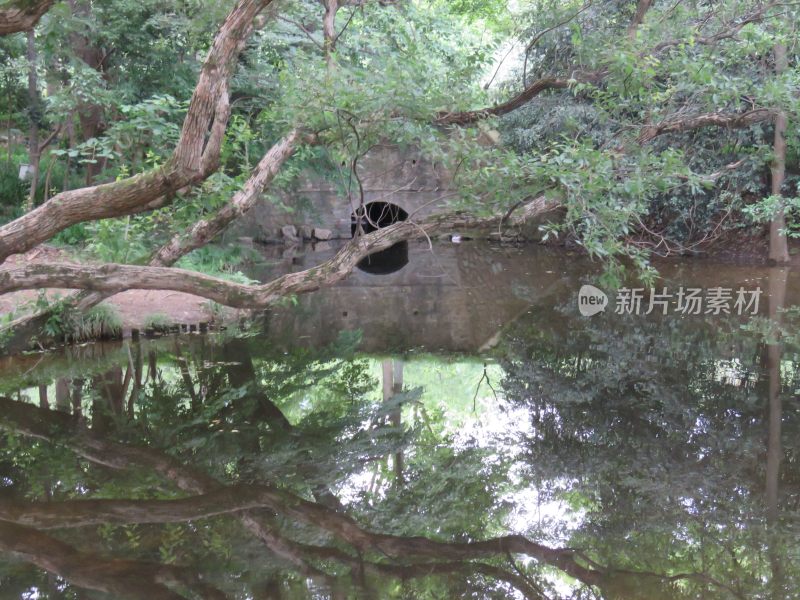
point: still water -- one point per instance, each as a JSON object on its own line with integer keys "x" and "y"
{"x": 451, "y": 428}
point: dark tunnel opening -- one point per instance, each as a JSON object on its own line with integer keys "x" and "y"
{"x": 374, "y": 216}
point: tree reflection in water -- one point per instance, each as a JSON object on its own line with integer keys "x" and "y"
{"x": 621, "y": 458}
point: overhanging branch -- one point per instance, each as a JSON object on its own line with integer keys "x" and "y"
{"x": 529, "y": 93}
{"x": 28, "y": 420}
{"x": 113, "y": 278}
{"x": 713, "y": 119}
{"x": 22, "y": 15}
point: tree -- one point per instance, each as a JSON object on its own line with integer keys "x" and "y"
{"x": 627, "y": 133}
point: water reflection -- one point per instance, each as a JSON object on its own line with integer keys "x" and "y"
{"x": 386, "y": 261}
{"x": 620, "y": 456}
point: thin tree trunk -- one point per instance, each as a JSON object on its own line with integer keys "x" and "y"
{"x": 77, "y": 397}
{"x": 62, "y": 394}
{"x": 396, "y": 418}
{"x": 638, "y": 18}
{"x": 90, "y": 115}
{"x": 34, "y": 114}
{"x": 778, "y": 248}
{"x": 329, "y": 28}
{"x": 777, "y": 297}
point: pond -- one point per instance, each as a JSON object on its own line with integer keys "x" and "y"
{"x": 452, "y": 428}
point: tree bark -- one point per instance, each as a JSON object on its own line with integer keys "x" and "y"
{"x": 778, "y": 247}
{"x": 713, "y": 119}
{"x": 35, "y": 116}
{"x": 22, "y": 15}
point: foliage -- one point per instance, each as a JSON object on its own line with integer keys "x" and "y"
{"x": 158, "y": 321}
{"x": 762, "y": 211}
{"x": 397, "y": 68}
{"x": 12, "y": 191}
{"x": 65, "y": 323}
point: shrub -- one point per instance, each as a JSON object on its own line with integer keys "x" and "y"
{"x": 12, "y": 191}
{"x": 157, "y": 321}
{"x": 102, "y": 321}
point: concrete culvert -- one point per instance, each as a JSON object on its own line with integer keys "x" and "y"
{"x": 376, "y": 215}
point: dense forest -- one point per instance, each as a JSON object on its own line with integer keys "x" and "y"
{"x": 137, "y": 132}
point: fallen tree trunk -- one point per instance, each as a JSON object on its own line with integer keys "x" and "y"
{"x": 114, "y": 278}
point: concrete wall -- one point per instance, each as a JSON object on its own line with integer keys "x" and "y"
{"x": 388, "y": 174}
{"x": 454, "y": 297}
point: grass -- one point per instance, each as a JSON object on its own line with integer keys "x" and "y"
{"x": 100, "y": 322}
{"x": 157, "y": 321}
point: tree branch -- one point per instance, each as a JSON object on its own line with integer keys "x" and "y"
{"x": 27, "y": 419}
{"x": 195, "y": 157}
{"x": 22, "y": 15}
{"x": 207, "y": 229}
{"x": 530, "y": 92}
{"x": 724, "y": 34}
{"x": 82, "y": 513}
{"x": 113, "y": 278}
{"x": 181, "y": 244}
{"x": 714, "y": 119}
{"x": 123, "y": 578}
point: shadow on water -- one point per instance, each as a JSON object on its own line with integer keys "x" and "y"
{"x": 525, "y": 451}
{"x": 386, "y": 261}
